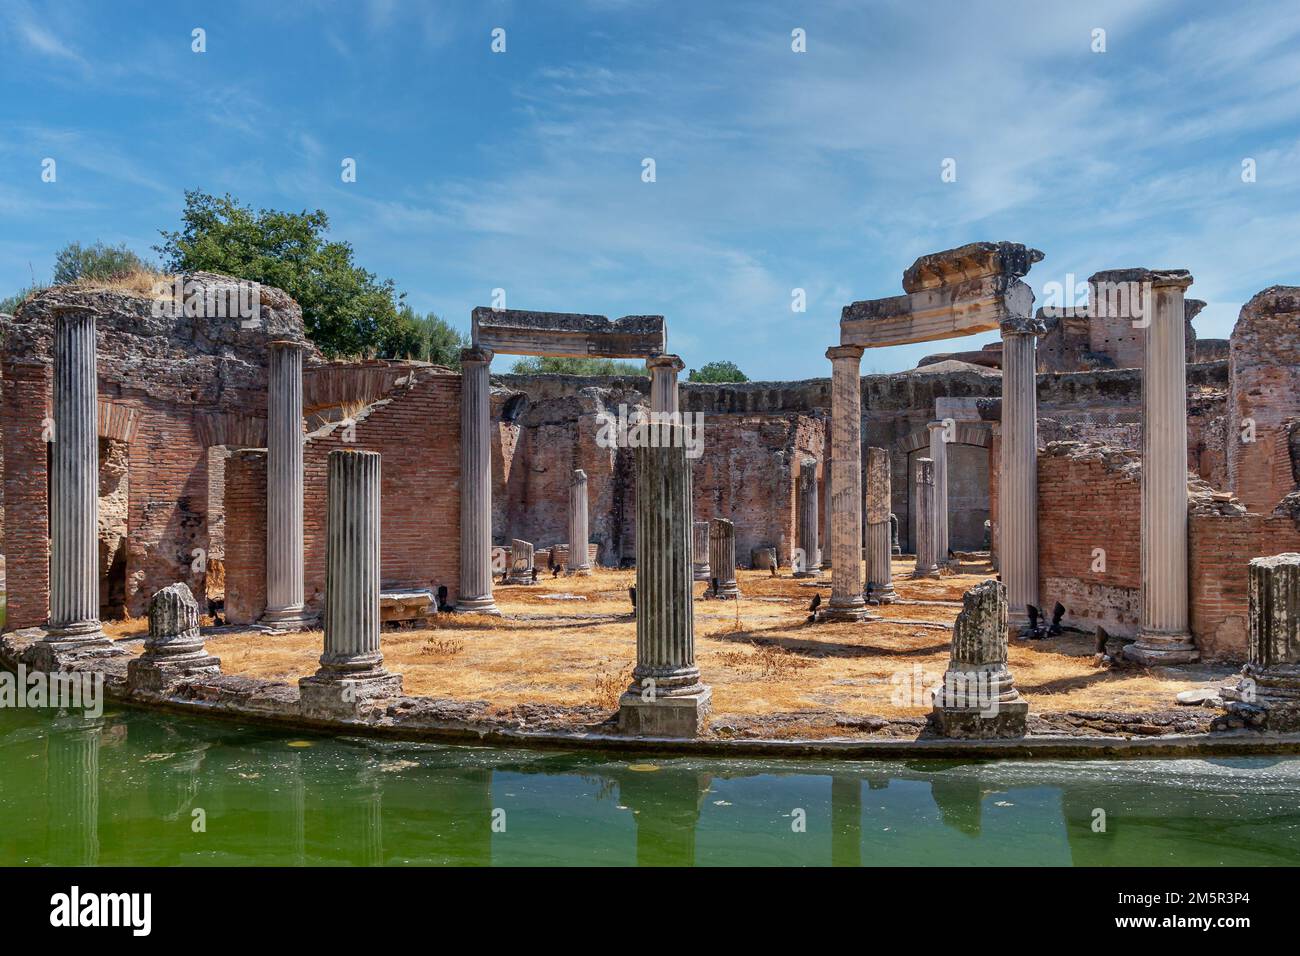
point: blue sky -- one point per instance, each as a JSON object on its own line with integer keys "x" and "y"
{"x": 775, "y": 170}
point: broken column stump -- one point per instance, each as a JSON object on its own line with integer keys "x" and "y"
{"x": 978, "y": 697}
{"x": 1268, "y": 694}
{"x": 174, "y": 649}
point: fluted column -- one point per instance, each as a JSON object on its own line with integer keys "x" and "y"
{"x": 824, "y": 539}
{"x": 74, "y": 486}
{"x": 880, "y": 582}
{"x": 722, "y": 555}
{"x": 285, "y": 605}
{"x": 579, "y": 559}
{"x": 927, "y": 561}
{"x": 663, "y": 382}
{"x": 1273, "y": 635}
{"x": 475, "y": 484}
{"x": 72, "y": 790}
{"x": 846, "y": 601}
{"x": 701, "y": 569}
{"x": 666, "y": 697}
{"x": 1163, "y": 637}
{"x": 808, "y": 514}
{"x": 1018, "y": 481}
{"x": 939, "y": 455}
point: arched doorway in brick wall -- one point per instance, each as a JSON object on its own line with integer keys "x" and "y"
{"x": 968, "y": 485}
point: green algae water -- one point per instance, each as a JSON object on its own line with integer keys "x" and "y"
{"x": 136, "y": 788}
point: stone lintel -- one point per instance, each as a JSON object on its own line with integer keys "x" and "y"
{"x": 974, "y": 260}
{"x": 561, "y": 334}
{"x": 965, "y": 308}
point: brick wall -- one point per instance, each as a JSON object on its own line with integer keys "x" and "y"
{"x": 245, "y": 561}
{"x": 26, "y": 480}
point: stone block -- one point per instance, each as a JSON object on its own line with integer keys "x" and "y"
{"x": 681, "y": 716}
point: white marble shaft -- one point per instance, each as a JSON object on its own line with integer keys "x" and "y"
{"x": 284, "y": 486}
{"x": 74, "y": 484}
{"x": 579, "y": 553}
{"x": 722, "y": 557}
{"x": 700, "y": 550}
{"x": 1164, "y": 636}
{"x": 665, "y": 614}
{"x": 880, "y": 584}
{"x": 1273, "y": 643}
{"x": 939, "y": 455}
{"x": 809, "y": 566}
{"x": 846, "y": 600}
{"x": 1018, "y": 481}
{"x": 927, "y": 561}
{"x": 663, "y": 382}
{"x": 475, "y": 594}
{"x": 352, "y": 564}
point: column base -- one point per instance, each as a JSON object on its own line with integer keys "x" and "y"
{"x": 680, "y": 716}
{"x": 881, "y": 593}
{"x": 850, "y": 611}
{"x": 725, "y": 592}
{"x": 52, "y": 653}
{"x": 1153, "y": 648}
{"x": 156, "y": 674}
{"x": 925, "y": 573}
{"x": 324, "y": 694}
{"x": 810, "y": 573}
{"x": 1000, "y": 719}
{"x": 701, "y": 573}
{"x": 476, "y": 605}
{"x": 580, "y": 572}
{"x": 289, "y": 619}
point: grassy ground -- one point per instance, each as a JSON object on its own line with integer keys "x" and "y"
{"x": 758, "y": 653}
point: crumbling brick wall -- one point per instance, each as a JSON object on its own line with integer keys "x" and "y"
{"x": 245, "y": 508}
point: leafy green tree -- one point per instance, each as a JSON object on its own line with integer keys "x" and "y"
{"x": 75, "y": 262}
{"x": 438, "y": 340}
{"x": 347, "y": 310}
{"x": 576, "y": 366}
{"x": 717, "y": 372}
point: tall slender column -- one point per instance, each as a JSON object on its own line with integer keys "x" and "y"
{"x": 927, "y": 562}
{"x": 880, "y": 582}
{"x": 809, "y": 515}
{"x": 475, "y": 484}
{"x": 74, "y": 487}
{"x": 846, "y": 601}
{"x": 1163, "y": 637}
{"x": 72, "y": 790}
{"x": 352, "y": 656}
{"x": 285, "y": 605}
{"x": 579, "y": 558}
{"x": 939, "y": 455}
{"x": 663, "y": 382}
{"x": 824, "y": 539}
{"x": 700, "y": 551}
{"x": 1018, "y": 481}
{"x": 666, "y": 697}
{"x": 722, "y": 555}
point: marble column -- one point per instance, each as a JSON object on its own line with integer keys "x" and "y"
{"x": 72, "y": 790}
{"x": 880, "y": 582}
{"x": 1164, "y": 637}
{"x": 285, "y": 606}
{"x": 939, "y": 455}
{"x": 978, "y": 697}
{"x": 824, "y": 539}
{"x": 74, "y": 487}
{"x": 352, "y": 656}
{"x": 579, "y": 556}
{"x": 666, "y": 697}
{"x": 810, "y": 565}
{"x": 722, "y": 555}
{"x": 846, "y": 601}
{"x": 475, "y": 484}
{"x": 1018, "y": 480}
{"x": 663, "y": 382}
{"x": 700, "y": 551}
{"x": 1270, "y": 681}
{"x": 927, "y": 560}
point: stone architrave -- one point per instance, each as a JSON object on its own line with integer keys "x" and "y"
{"x": 351, "y": 667}
{"x": 809, "y": 565}
{"x": 939, "y": 455}
{"x": 285, "y": 604}
{"x": 927, "y": 564}
{"x": 880, "y": 582}
{"x": 174, "y": 649}
{"x": 579, "y": 554}
{"x": 666, "y": 697}
{"x": 1164, "y": 636}
{"x": 978, "y": 697}
{"x": 1268, "y": 694}
{"x": 722, "y": 558}
{"x": 475, "y": 595}
{"x": 846, "y": 602}
{"x": 700, "y": 570}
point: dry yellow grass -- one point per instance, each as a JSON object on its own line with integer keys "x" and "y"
{"x": 758, "y": 653}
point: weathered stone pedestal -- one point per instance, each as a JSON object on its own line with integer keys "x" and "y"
{"x": 666, "y": 697}
{"x": 579, "y": 556}
{"x": 927, "y": 558}
{"x": 880, "y": 581}
{"x": 351, "y": 671}
{"x": 1268, "y": 693}
{"x": 174, "y": 649}
{"x": 809, "y": 565}
{"x": 978, "y": 697}
{"x": 520, "y": 570}
{"x": 700, "y": 568}
{"x": 722, "y": 557}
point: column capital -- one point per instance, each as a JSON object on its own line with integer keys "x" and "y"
{"x": 840, "y": 352}
{"x": 933, "y": 425}
{"x": 578, "y": 476}
{"x": 666, "y": 361}
{"x": 1169, "y": 278}
{"x": 285, "y": 344}
{"x": 476, "y": 354}
{"x": 1022, "y": 325}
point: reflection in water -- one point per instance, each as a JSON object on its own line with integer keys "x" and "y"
{"x": 269, "y": 799}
